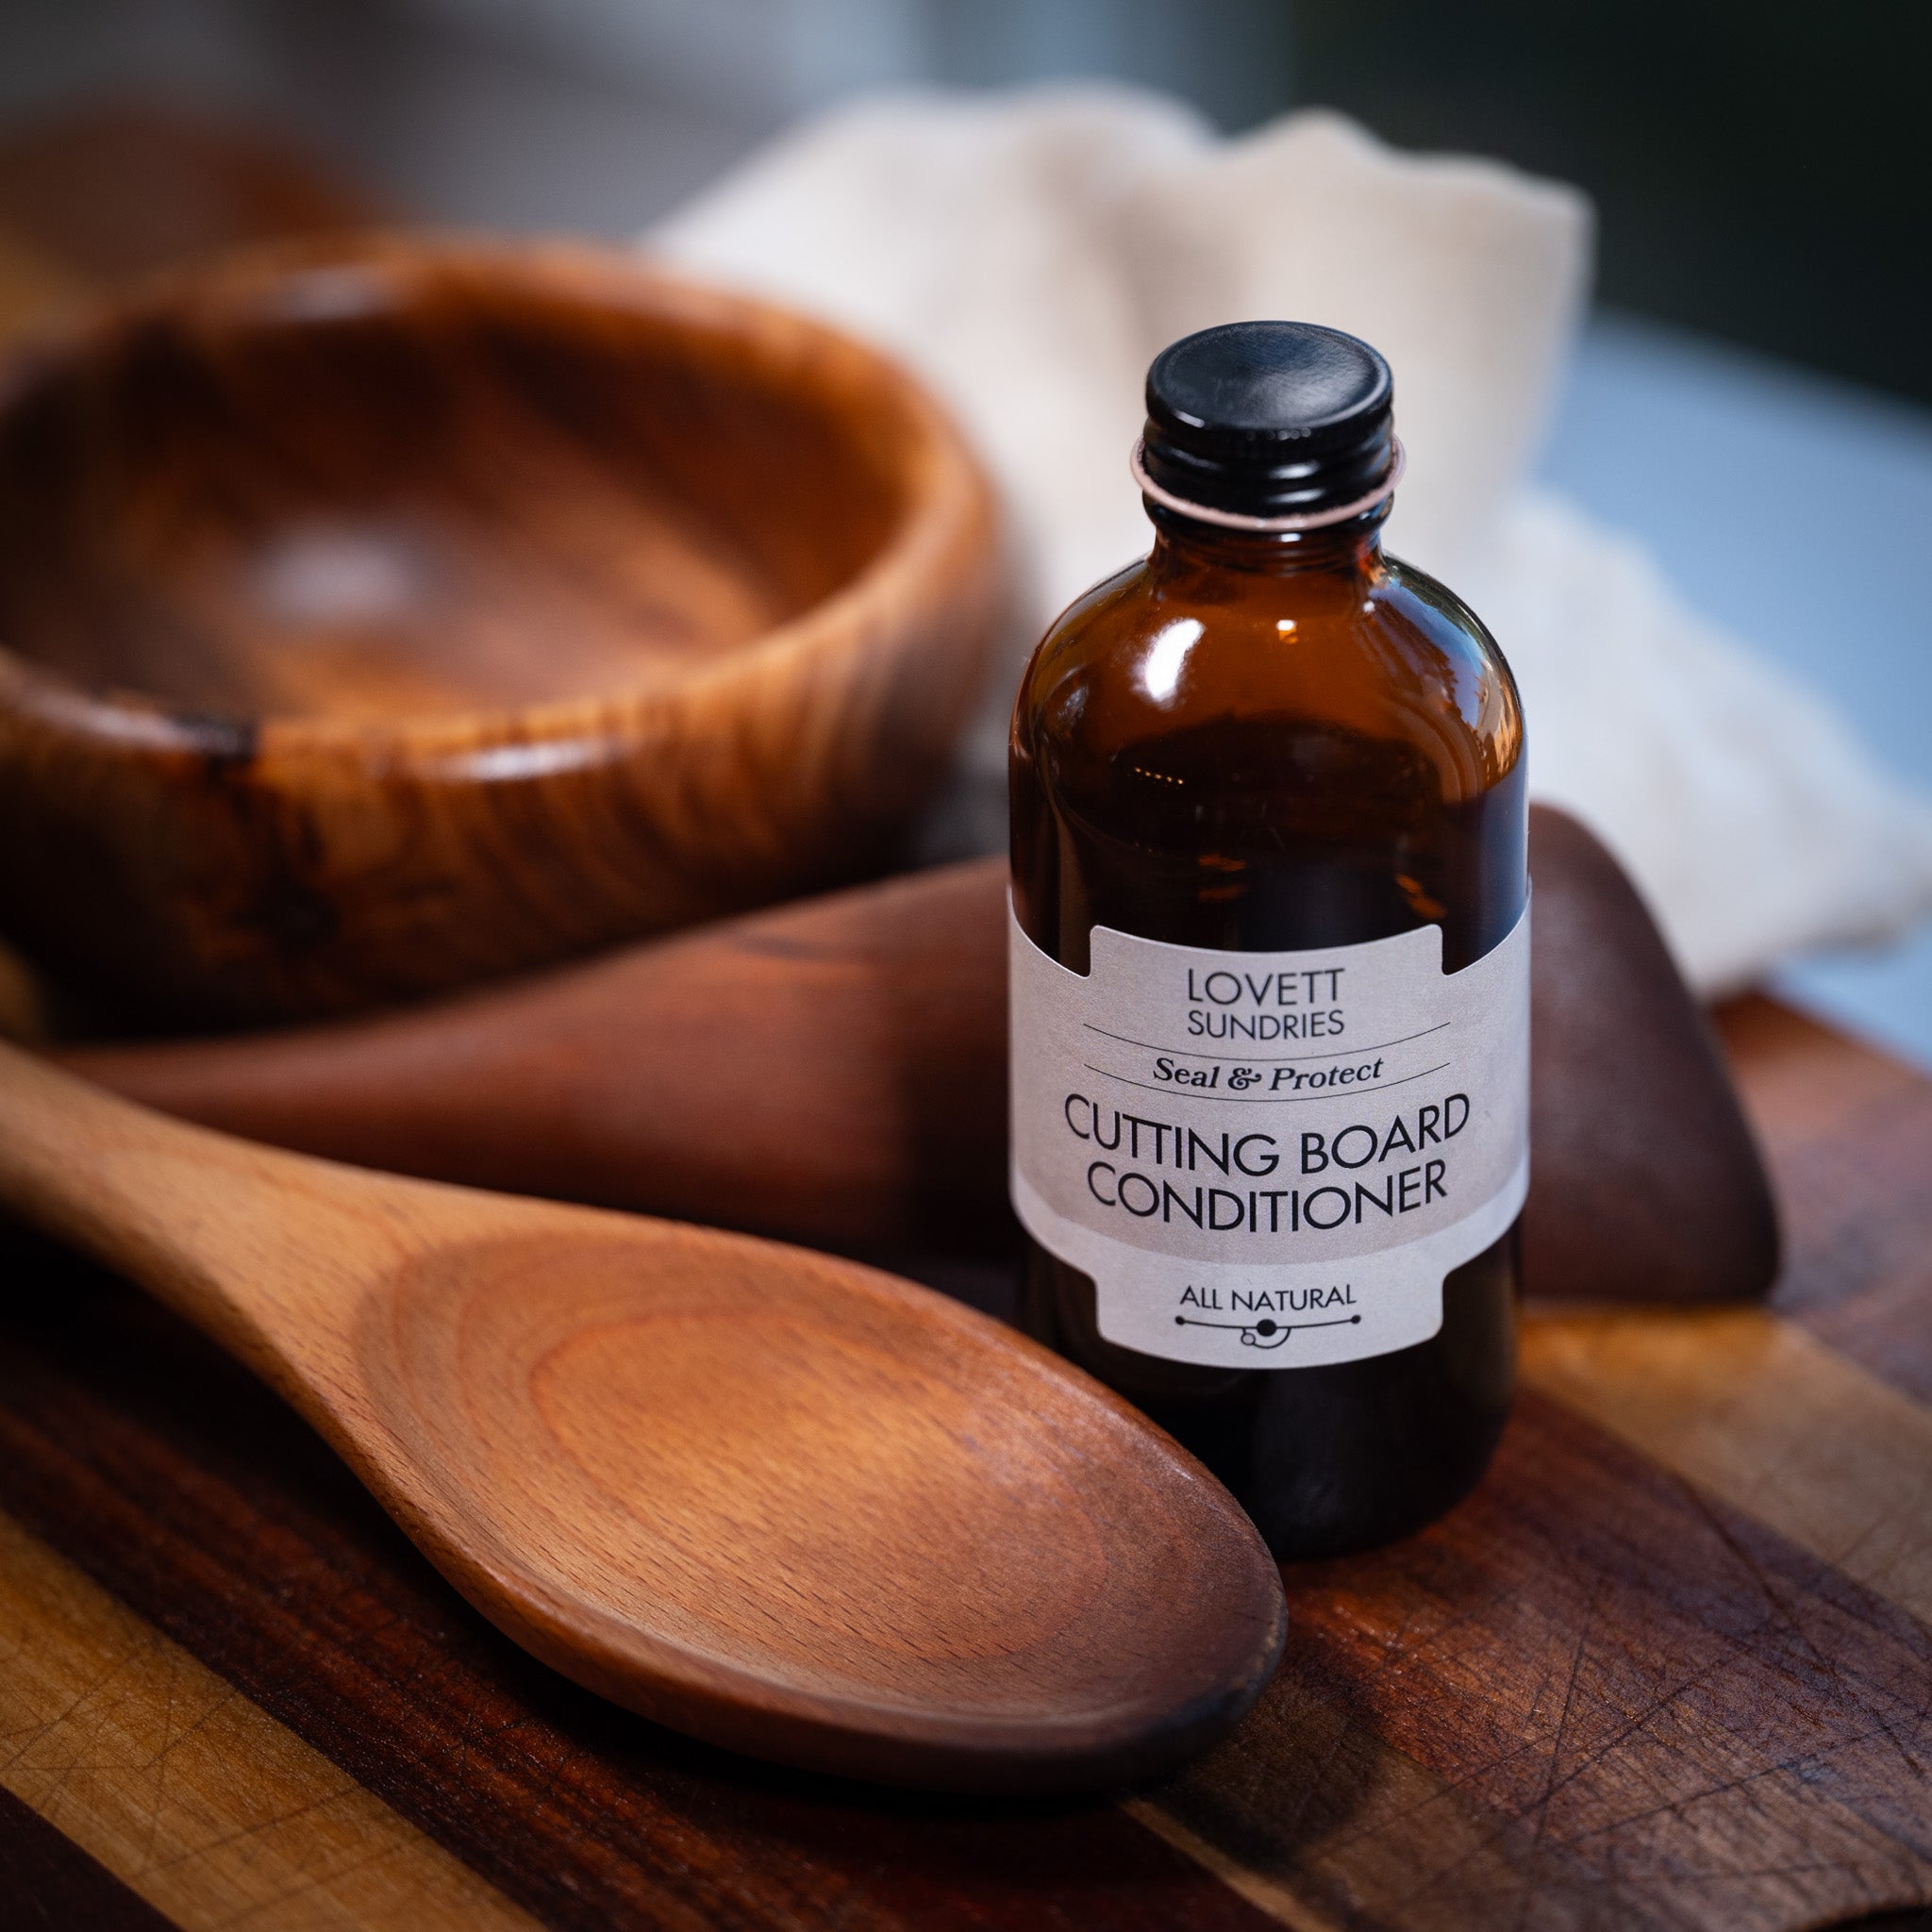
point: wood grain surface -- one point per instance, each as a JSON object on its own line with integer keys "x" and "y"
{"x": 378, "y": 615}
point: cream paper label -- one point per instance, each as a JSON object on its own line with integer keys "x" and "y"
{"x": 1270, "y": 1160}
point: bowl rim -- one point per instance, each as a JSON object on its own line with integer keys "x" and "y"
{"x": 949, "y": 496}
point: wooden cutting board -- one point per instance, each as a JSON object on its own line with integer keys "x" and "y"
{"x": 1670, "y": 1666}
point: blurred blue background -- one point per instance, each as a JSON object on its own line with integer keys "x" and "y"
{"x": 1754, "y": 396}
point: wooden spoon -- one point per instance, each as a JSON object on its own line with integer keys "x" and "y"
{"x": 782, "y": 1501}
{"x": 835, "y": 1071}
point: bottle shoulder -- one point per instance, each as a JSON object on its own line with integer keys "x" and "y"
{"x": 1381, "y": 651}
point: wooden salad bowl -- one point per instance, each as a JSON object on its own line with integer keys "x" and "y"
{"x": 380, "y": 616}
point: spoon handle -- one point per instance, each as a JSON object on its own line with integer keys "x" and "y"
{"x": 228, "y": 1235}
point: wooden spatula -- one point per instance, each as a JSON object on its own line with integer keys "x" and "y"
{"x": 835, "y": 1071}
{"x": 782, "y": 1501}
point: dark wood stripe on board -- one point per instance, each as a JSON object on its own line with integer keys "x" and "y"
{"x": 48, "y": 1884}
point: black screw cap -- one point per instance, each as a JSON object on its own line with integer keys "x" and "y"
{"x": 1269, "y": 418}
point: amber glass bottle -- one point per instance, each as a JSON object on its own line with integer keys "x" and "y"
{"x": 1269, "y": 983}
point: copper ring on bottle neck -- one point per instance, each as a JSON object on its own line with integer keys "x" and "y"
{"x": 1234, "y": 520}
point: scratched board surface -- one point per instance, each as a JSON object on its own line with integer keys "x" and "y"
{"x": 1670, "y": 1666}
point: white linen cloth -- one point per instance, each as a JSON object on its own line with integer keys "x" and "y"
{"x": 1028, "y": 254}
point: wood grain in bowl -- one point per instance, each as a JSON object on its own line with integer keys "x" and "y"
{"x": 381, "y": 616}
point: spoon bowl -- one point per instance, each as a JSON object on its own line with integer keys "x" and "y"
{"x": 784, "y": 1503}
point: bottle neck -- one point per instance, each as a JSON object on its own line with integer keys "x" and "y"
{"x": 1183, "y": 544}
